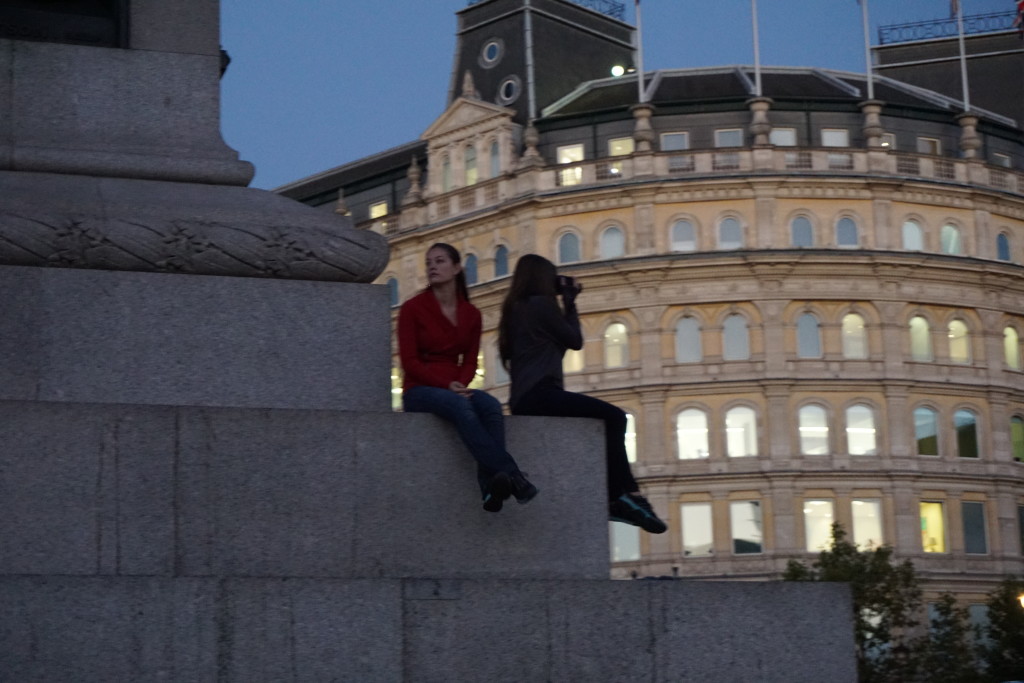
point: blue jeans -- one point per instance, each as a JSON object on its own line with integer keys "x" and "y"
{"x": 477, "y": 419}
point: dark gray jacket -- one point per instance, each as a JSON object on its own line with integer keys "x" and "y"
{"x": 539, "y": 333}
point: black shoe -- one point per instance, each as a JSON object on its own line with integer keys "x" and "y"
{"x": 632, "y": 508}
{"x": 498, "y": 489}
{"x": 522, "y": 489}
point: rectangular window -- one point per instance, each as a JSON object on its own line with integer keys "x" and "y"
{"x": 620, "y": 147}
{"x": 624, "y": 541}
{"x": 746, "y": 527}
{"x": 378, "y": 210}
{"x": 1000, "y": 160}
{"x": 675, "y": 142}
{"x": 929, "y": 146}
{"x": 975, "y": 538}
{"x": 818, "y": 518}
{"x": 867, "y": 522}
{"x": 570, "y": 154}
{"x": 729, "y": 137}
{"x": 630, "y": 437}
{"x": 835, "y": 137}
{"x": 698, "y": 538}
{"x": 888, "y": 141}
{"x": 933, "y": 527}
{"x": 783, "y": 137}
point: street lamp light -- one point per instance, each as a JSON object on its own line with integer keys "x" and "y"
{"x": 1021, "y": 599}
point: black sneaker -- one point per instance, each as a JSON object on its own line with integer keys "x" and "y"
{"x": 522, "y": 489}
{"x": 498, "y": 489}
{"x": 632, "y": 508}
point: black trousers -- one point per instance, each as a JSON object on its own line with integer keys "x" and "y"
{"x": 547, "y": 399}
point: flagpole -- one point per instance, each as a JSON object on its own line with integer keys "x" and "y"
{"x": 867, "y": 49}
{"x": 639, "y": 55}
{"x": 757, "y": 50}
{"x": 963, "y": 55}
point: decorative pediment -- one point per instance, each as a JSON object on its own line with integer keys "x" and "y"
{"x": 466, "y": 117}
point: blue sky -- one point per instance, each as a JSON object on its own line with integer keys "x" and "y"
{"x": 313, "y": 88}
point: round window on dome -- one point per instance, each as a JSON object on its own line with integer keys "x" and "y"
{"x": 491, "y": 53}
{"x": 509, "y": 90}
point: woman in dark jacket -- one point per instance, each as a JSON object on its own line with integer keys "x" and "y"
{"x": 533, "y": 335}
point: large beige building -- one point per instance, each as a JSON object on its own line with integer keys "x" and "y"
{"x": 810, "y": 302}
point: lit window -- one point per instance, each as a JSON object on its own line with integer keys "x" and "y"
{"x": 692, "y": 434}
{"x": 920, "y": 339}
{"x": 1003, "y": 247}
{"x": 835, "y": 137}
{"x": 572, "y": 361}
{"x": 396, "y": 390}
{"x": 730, "y": 234}
{"x": 675, "y": 142}
{"x": 867, "y": 522}
{"x": 975, "y": 536}
{"x": 698, "y": 535}
{"x": 568, "y": 248}
{"x": 630, "y": 437}
{"x": 952, "y": 243}
{"x": 929, "y": 146}
{"x": 478, "y": 376}
{"x": 446, "y": 174}
{"x": 740, "y": 432}
{"x": 966, "y": 424}
{"x": 735, "y": 338}
{"x": 501, "y": 261}
{"x": 783, "y": 137}
{"x": 570, "y": 154}
{"x": 616, "y": 346}
{"x": 620, "y": 147}
{"x": 684, "y": 236}
{"x": 729, "y": 137}
{"x": 378, "y": 210}
{"x": 846, "y": 233}
{"x": 500, "y": 373}
{"x": 612, "y": 243}
{"x": 624, "y": 540}
{"x": 802, "y": 232}
{"x": 469, "y": 158}
{"x": 818, "y": 518}
{"x": 913, "y": 238}
{"x": 808, "y": 336}
{"x": 469, "y": 268}
{"x": 688, "y": 345}
{"x": 1011, "y": 348}
{"x": 495, "y": 160}
{"x": 746, "y": 527}
{"x": 959, "y": 342}
{"x": 813, "y": 428}
{"x": 926, "y": 431}
{"x": 393, "y": 291}
{"x": 888, "y": 141}
{"x": 933, "y": 528}
{"x": 860, "y": 430}
{"x": 1017, "y": 437}
{"x": 855, "y": 339}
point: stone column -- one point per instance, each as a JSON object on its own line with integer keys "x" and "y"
{"x": 643, "y": 136}
{"x": 760, "y": 128}
{"x": 873, "y": 131}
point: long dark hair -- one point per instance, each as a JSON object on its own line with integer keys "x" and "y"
{"x": 460, "y": 278}
{"x": 534, "y": 276}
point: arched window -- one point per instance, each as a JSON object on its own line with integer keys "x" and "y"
{"x": 926, "y": 431}
{"x": 730, "y": 234}
{"x": 920, "y": 339}
{"x": 469, "y": 268}
{"x": 860, "y": 430}
{"x": 568, "y": 248}
{"x": 913, "y": 238}
{"x": 684, "y": 236}
{"x": 501, "y": 261}
{"x": 735, "y": 338}
{"x": 469, "y": 158}
{"x": 393, "y": 291}
{"x": 959, "y": 342}
{"x": 740, "y": 432}
{"x": 1017, "y": 437}
{"x": 616, "y": 346}
{"x": 813, "y": 428}
{"x": 966, "y": 424}
{"x": 688, "y": 346}
{"x": 1011, "y": 348}
{"x": 951, "y": 241}
{"x": 495, "y": 160}
{"x": 846, "y": 233}
{"x": 801, "y": 232}
{"x": 692, "y": 434}
{"x": 572, "y": 361}
{"x": 808, "y": 336}
{"x": 1003, "y": 247}
{"x": 446, "y": 174}
{"x": 613, "y": 243}
{"x": 855, "y": 337}
{"x": 630, "y": 437}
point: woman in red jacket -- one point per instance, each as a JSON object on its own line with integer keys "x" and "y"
{"x": 438, "y": 342}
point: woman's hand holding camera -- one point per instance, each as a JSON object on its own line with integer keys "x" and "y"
{"x": 568, "y": 287}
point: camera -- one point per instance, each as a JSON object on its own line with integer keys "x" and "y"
{"x": 566, "y": 285}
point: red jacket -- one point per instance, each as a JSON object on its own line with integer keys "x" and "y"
{"x": 435, "y": 353}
